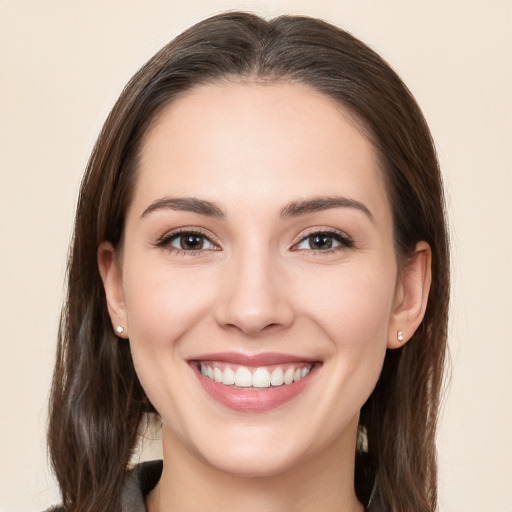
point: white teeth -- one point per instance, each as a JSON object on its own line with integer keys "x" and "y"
{"x": 229, "y": 377}
{"x": 259, "y": 378}
{"x": 243, "y": 377}
{"x": 288, "y": 376}
{"x": 277, "y": 377}
{"x": 217, "y": 374}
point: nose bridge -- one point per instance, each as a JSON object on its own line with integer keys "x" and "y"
{"x": 255, "y": 298}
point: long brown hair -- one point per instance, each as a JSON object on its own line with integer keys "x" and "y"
{"x": 97, "y": 403}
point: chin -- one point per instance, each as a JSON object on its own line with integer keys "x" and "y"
{"x": 253, "y": 462}
{"x": 255, "y": 450}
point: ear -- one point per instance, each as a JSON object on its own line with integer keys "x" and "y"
{"x": 411, "y": 296}
{"x": 111, "y": 275}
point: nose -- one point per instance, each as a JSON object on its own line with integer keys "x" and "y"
{"x": 255, "y": 296}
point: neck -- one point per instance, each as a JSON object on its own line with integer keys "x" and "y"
{"x": 324, "y": 482}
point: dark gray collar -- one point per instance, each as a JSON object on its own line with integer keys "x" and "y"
{"x": 139, "y": 482}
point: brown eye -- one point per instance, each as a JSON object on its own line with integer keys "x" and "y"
{"x": 320, "y": 242}
{"x": 190, "y": 242}
{"x": 324, "y": 241}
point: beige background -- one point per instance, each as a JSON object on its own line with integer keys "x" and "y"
{"x": 62, "y": 65}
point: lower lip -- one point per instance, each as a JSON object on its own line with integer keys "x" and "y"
{"x": 252, "y": 400}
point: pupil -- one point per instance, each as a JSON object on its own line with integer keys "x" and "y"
{"x": 189, "y": 242}
{"x": 320, "y": 241}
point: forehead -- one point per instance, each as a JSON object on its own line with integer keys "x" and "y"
{"x": 279, "y": 141}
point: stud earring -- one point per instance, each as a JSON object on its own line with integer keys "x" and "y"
{"x": 119, "y": 329}
{"x": 400, "y": 336}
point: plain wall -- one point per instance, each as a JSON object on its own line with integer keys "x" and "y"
{"x": 63, "y": 64}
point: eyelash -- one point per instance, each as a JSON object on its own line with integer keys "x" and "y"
{"x": 166, "y": 241}
{"x": 343, "y": 240}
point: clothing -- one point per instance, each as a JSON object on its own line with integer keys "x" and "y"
{"x": 139, "y": 482}
{"x": 143, "y": 478}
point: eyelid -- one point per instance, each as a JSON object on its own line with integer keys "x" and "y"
{"x": 164, "y": 240}
{"x": 342, "y": 237}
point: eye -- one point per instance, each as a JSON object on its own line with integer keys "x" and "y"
{"x": 323, "y": 241}
{"x": 187, "y": 241}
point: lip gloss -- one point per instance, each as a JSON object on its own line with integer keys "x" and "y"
{"x": 251, "y": 399}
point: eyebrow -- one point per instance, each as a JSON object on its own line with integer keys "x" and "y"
{"x": 186, "y": 204}
{"x": 293, "y": 209}
{"x": 318, "y": 204}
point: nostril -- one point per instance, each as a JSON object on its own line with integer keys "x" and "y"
{"x": 254, "y": 307}
{"x": 273, "y": 326}
{"x": 254, "y": 329}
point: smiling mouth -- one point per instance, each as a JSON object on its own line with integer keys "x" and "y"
{"x": 254, "y": 383}
{"x": 254, "y": 378}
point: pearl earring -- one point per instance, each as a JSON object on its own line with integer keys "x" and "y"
{"x": 119, "y": 329}
{"x": 400, "y": 336}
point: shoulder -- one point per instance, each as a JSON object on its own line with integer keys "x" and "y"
{"x": 140, "y": 480}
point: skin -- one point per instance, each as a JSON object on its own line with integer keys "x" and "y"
{"x": 258, "y": 285}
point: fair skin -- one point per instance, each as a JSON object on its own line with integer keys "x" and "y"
{"x": 280, "y": 257}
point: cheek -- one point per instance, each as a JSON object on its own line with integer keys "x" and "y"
{"x": 163, "y": 307}
{"x": 162, "y": 304}
{"x": 353, "y": 306}
{"x": 353, "y": 312}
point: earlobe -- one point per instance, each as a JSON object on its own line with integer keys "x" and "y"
{"x": 411, "y": 296}
{"x": 111, "y": 275}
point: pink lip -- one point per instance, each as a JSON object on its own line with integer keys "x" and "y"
{"x": 252, "y": 360}
{"x": 251, "y": 400}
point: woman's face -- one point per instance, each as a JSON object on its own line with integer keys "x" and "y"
{"x": 258, "y": 250}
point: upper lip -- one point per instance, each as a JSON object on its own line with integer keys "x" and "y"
{"x": 263, "y": 359}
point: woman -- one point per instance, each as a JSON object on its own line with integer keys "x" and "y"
{"x": 260, "y": 258}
